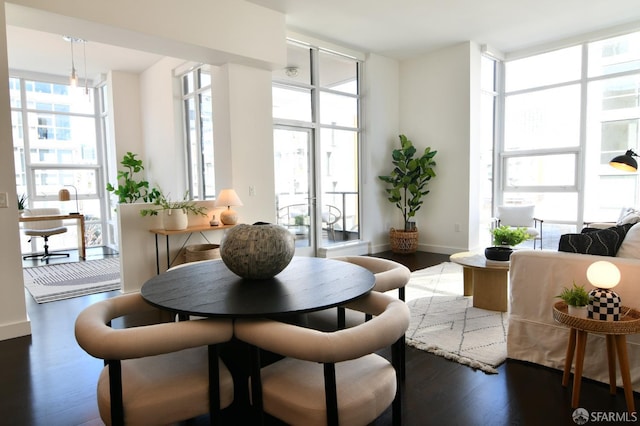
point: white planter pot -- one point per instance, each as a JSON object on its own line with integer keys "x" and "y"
{"x": 174, "y": 220}
{"x": 578, "y": 311}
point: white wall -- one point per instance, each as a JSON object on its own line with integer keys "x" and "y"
{"x": 13, "y": 316}
{"x": 164, "y": 151}
{"x": 437, "y": 110}
{"x": 244, "y": 141}
{"x": 381, "y": 94}
{"x": 125, "y": 121}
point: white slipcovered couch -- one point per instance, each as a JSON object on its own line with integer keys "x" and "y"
{"x": 537, "y": 277}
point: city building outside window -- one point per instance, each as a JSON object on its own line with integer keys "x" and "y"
{"x": 567, "y": 113}
{"x": 198, "y": 132}
{"x": 316, "y": 112}
{"x": 56, "y": 145}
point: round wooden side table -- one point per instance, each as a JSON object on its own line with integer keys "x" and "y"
{"x": 615, "y": 332}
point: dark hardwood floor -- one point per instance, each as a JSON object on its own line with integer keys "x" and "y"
{"x": 46, "y": 379}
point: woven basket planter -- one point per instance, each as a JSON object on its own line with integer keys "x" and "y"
{"x": 403, "y": 241}
{"x": 197, "y": 252}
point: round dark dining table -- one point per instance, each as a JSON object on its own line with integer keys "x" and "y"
{"x": 210, "y": 289}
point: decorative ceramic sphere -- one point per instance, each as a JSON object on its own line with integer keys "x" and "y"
{"x": 259, "y": 251}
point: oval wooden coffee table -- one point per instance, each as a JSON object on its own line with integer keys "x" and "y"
{"x": 485, "y": 280}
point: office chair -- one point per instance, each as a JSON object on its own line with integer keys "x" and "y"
{"x": 44, "y": 229}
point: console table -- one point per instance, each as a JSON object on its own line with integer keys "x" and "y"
{"x": 82, "y": 252}
{"x": 190, "y": 230}
{"x": 615, "y": 332}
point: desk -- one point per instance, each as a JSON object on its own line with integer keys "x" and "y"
{"x": 189, "y": 231}
{"x": 485, "y": 279}
{"x": 615, "y": 332}
{"x": 210, "y": 289}
{"x": 82, "y": 252}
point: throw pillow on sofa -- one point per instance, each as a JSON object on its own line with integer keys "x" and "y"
{"x": 630, "y": 247}
{"x": 602, "y": 242}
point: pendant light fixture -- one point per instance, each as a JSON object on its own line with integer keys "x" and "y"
{"x": 73, "y": 78}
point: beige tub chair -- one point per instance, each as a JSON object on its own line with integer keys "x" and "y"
{"x": 155, "y": 374}
{"x": 329, "y": 378}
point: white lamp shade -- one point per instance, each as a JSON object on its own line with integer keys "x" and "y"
{"x": 228, "y": 197}
{"x": 603, "y": 274}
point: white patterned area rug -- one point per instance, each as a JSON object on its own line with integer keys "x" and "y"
{"x": 66, "y": 280}
{"x": 445, "y": 323}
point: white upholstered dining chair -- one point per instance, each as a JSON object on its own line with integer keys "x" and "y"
{"x": 155, "y": 374}
{"x": 329, "y": 378}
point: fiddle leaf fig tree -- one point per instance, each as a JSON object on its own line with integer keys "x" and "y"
{"x": 409, "y": 179}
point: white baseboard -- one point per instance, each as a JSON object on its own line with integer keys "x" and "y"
{"x": 355, "y": 248}
{"x": 17, "y": 329}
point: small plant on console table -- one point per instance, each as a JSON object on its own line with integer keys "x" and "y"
{"x": 174, "y": 212}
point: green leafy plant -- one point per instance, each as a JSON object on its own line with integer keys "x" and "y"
{"x": 507, "y": 236}
{"x": 299, "y": 220}
{"x": 131, "y": 189}
{"x": 22, "y": 201}
{"x": 409, "y": 179}
{"x": 575, "y": 296}
{"x": 164, "y": 203}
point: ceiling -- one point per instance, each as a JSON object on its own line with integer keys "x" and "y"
{"x": 44, "y": 52}
{"x": 399, "y": 29}
{"x": 405, "y": 28}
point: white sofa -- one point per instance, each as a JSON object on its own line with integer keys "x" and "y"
{"x": 536, "y": 278}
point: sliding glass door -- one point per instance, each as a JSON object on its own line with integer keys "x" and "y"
{"x": 295, "y": 185}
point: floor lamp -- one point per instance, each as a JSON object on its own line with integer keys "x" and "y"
{"x": 625, "y": 162}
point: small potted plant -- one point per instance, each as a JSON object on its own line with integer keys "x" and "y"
{"x": 174, "y": 212}
{"x": 22, "y": 202}
{"x": 577, "y": 299}
{"x": 504, "y": 238}
{"x": 407, "y": 185}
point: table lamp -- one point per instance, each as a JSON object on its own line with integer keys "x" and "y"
{"x": 228, "y": 197}
{"x": 604, "y": 304}
{"x": 63, "y": 195}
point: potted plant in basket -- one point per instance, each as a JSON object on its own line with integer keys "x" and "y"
{"x": 576, "y": 299}
{"x": 407, "y": 185}
{"x": 504, "y": 238}
{"x": 174, "y": 212}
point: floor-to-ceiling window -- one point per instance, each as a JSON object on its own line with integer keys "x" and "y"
{"x": 489, "y": 105}
{"x": 316, "y": 110}
{"x": 198, "y": 125}
{"x": 567, "y": 112}
{"x": 57, "y": 145}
